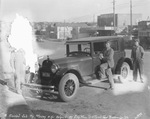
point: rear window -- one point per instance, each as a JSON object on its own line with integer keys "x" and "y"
{"x": 114, "y": 45}
{"x": 99, "y": 46}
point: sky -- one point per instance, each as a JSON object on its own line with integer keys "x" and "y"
{"x": 69, "y": 10}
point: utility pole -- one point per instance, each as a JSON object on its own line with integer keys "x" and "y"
{"x": 130, "y": 17}
{"x": 64, "y": 29}
{"x": 114, "y": 17}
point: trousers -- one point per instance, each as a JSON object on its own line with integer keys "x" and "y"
{"x": 19, "y": 67}
{"x": 105, "y": 70}
{"x": 137, "y": 67}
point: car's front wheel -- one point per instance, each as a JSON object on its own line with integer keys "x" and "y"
{"x": 125, "y": 72}
{"x": 68, "y": 87}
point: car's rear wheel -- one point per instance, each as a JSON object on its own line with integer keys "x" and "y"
{"x": 125, "y": 72}
{"x": 68, "y": 87}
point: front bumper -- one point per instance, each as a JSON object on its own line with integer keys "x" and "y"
{"x": 40, "y": 88}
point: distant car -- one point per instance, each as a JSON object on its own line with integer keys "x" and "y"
{"x": 81, "y": 65}
{"x": 39, "y": 38}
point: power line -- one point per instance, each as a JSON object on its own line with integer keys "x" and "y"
{"x": 109, "y": 8}
{"x": 117, "y": 6}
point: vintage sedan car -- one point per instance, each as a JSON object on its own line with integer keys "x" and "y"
{"x": 81, "y": 65}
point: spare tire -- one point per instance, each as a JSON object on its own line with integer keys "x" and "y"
{"x": 125, "y": 71}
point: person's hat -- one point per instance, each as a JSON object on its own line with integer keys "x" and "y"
{"x": 108, "y": 42}
{"x": 136, "y": 40}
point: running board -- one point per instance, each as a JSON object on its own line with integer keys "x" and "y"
{"x": 92, "y": 82}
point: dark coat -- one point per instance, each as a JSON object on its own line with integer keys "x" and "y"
{"x": 109, "y": 57}
{"x": 137, "y": 53}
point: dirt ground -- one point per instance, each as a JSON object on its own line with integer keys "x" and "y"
{"x": 130, "y": 100}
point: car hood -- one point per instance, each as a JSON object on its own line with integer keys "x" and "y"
{"x": 67, "y": 61}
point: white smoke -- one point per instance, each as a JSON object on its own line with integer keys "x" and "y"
{"x": 21, "y": 37}
{"x": 130, "y": 86}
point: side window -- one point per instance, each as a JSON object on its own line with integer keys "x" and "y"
{"x": 114, "y": 45}
{"x": 73, "y": 47}
{"x": 86, "y": 48}
{"x": 99, "y": 47}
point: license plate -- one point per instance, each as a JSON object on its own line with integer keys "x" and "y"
{"x": 44, "y": 74}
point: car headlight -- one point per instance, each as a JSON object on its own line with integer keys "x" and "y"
{"x": 54, "y": 68}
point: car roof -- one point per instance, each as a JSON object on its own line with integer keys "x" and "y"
{"x": 93, "y": 39}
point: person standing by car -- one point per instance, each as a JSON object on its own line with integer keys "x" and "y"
{"x": 137, "y": 54}
{"x": 18, "y": 64}
{"x": 6, "y": 72}
{"x": 108, "y": 63}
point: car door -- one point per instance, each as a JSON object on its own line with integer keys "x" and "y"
{"x": 96, "y": 64}
{"x": 85, "y": 66}
{"x": 85, "y": 63}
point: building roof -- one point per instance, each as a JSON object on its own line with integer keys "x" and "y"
{"x": 71, "y": 24}
{"x": 111, "y": 14}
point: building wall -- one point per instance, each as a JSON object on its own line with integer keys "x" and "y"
{"x": 144, "y": 28}
{"x": 75, "y": 33}
{"x": 83, "y": 35}
{"x": 106, "y": 20}
{"x": 50, "y": 32}
{"x": 69, "y": 30}
{"x": 64, "y": 32}
{"x": 122, "y": 21}
{"x": 144, "y": 25}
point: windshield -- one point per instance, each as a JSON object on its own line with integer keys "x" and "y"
{"x": 79, "y": 49}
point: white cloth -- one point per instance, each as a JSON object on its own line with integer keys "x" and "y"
{"x": 21, "y": 37}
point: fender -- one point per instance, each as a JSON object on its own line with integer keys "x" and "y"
{"x": 62, "y": 72}
{"x": 120, "y": 62}
{"x": 59, "y": 74}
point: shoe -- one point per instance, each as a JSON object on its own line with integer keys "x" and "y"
{"x": 135, "y": 80}
{"x": 111, "y": 87}
{"x": 142, "y": 80}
